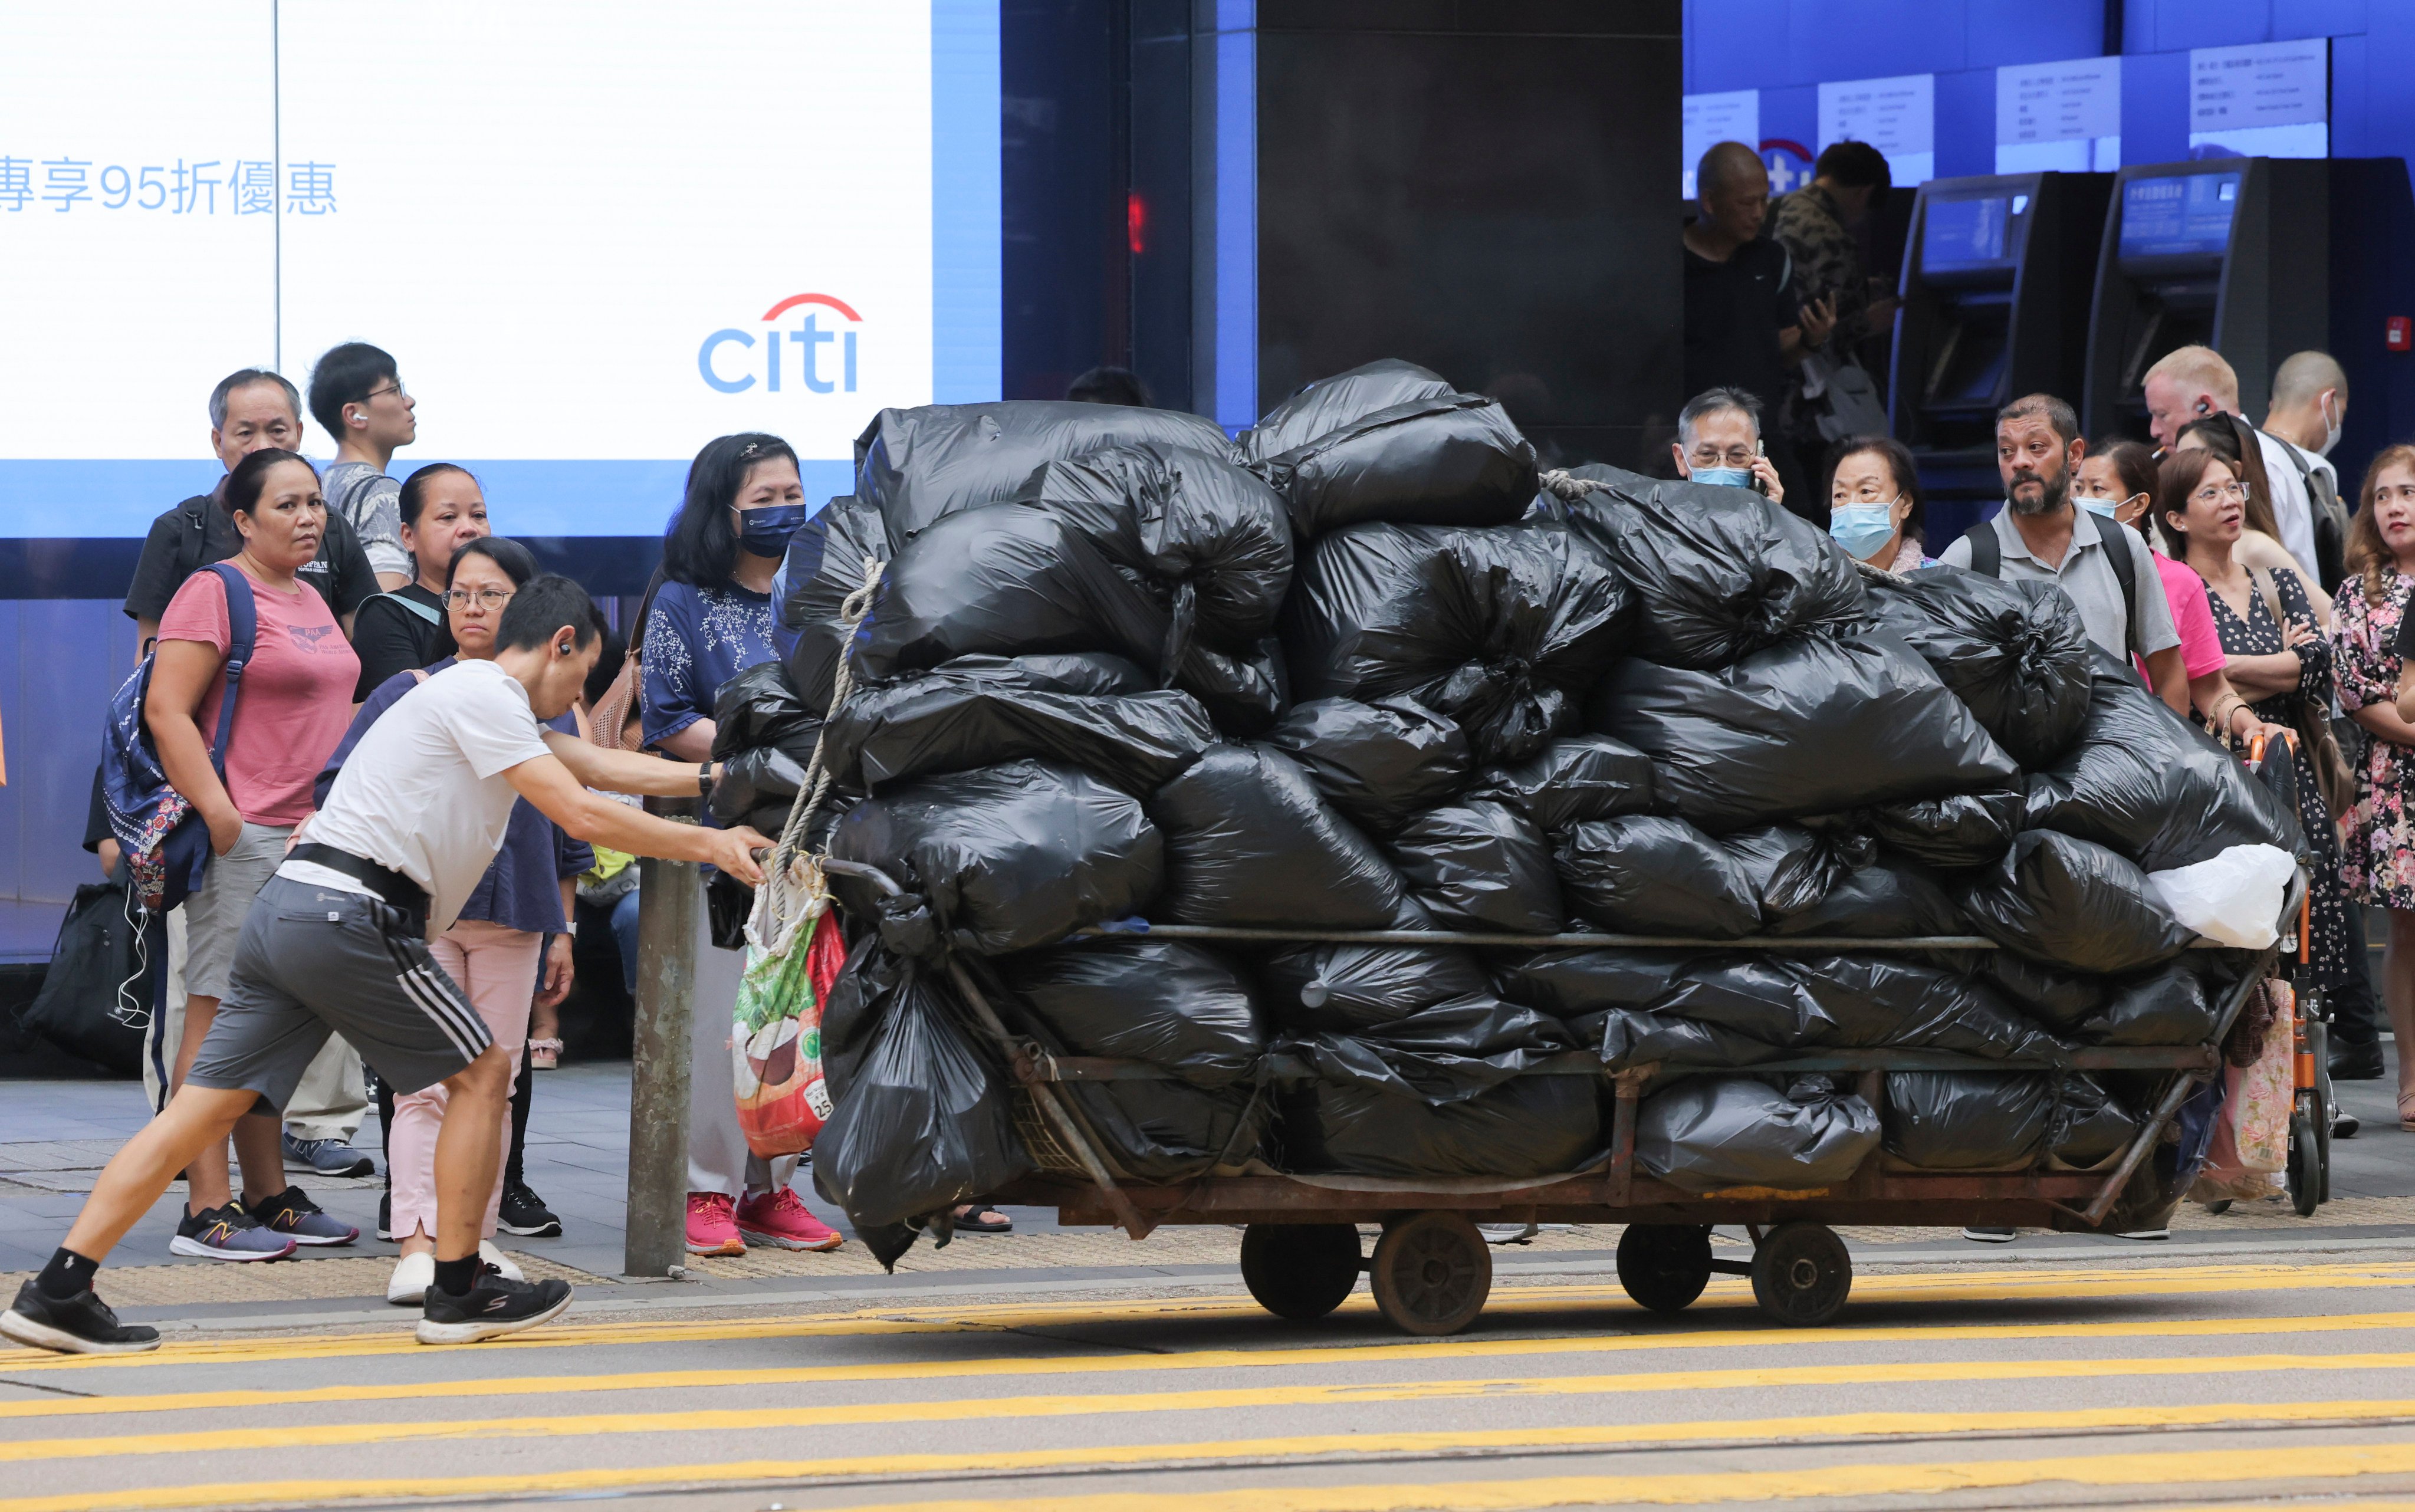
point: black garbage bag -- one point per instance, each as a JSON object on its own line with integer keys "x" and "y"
{"x": 1707, "y": 1134}
{"x": 1631, "y": 1036}
{"x": 1177, "y": 1006}
{"x": 1980, "y": 1120}
{"x": 1951, "y": 833}
{"x": 1203, "y": 526}
{"x": 1838, "y": 883}
{"x": 1480, "y": 866}
{"x": 826, "y": 564}
{"x": 1378, "y": 763}
{"x": 1010, "y": 580}
{"x": 760, "y": 707}
{"x": 1318, "y": 409}
{"x": 1329, "y": 986}
{"x": 919, "y": 1121}
{"x": 1571, "y": 984}
{"x": 763, "y": 780}
{"x": 2146, "y": 783}
{"x": 1449, "y": 1050}
{"x": 1009, "y": 857}
{"x": 1811, "y": 726}
{"x": 958, "y": 717}
{"x": 1718, "y": 573}
{"x": 2176, "y": 1006}
{"x": 2058, "y": 999}
{"x": 1530, "y": 1126}
{"x": 1454, "y": 459}
{"x": 1575, "y": 778}
{"x": 1650, "y": 875}
{"x": 2073, "y": 904}
{"x": 1500, "y": 629}
{"x": 1250, "y": 844}
{"x": 2016, "y": 652}
{"x": 1856, "y": 1002}
{"x": 916, "y": 466}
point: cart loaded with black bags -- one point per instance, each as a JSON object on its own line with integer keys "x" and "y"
{"x": 1346, "y": 826}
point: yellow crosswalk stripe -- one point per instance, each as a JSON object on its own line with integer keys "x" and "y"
{"x": 992, "y": 1367}
{"x": 2192, "y": 1467}
{"x": 908, "y": 1317}
{"x": 354, "y": 1435}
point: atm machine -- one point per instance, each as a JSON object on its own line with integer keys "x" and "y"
{"x": 2232, "y": 253}
{"x": 1994, "y": 307}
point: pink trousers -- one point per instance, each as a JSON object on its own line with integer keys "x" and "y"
{"x": 497, "y": 968}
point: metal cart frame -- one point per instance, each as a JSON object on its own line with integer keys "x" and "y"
{"x": 1431, "y": 1270}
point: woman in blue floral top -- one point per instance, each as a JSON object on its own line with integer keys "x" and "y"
{"x": 711, "y": 620}
{"x": 2379, "y": 863}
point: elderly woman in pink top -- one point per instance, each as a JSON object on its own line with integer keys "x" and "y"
{"x": 2118, "y": 481}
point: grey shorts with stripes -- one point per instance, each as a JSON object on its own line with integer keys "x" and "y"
{"x": 315, "y": 961}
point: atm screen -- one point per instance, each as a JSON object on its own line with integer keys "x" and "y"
{"x": 1964, "y": 233}
{"x": 2188, "y": 216}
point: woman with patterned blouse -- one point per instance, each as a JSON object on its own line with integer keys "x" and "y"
{"x": 2274, "y": 654}
{"x": 2380, "y": 863}
{"x": 711, "y": 620}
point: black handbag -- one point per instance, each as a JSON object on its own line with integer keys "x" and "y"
{"x": 96, "y": 1000}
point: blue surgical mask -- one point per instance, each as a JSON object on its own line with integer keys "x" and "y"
{"x": 2097, "y": 506}
{"x": 1861, "y": 528}
{"x": 765, "y": 530}
{"x": 1724, "y": 477}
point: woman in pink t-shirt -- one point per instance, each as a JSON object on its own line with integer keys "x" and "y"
{"x": 2118, "y": 481}
{"x": 296, "y": 699}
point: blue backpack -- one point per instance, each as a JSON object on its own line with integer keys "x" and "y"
{"x": 165, "y": 843}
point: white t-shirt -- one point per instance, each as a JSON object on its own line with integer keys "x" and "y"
{"x": 424, "y": 793}
{"x": 2291, "y": 510}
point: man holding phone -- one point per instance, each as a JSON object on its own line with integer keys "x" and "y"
{"x": 1719, "y": 442}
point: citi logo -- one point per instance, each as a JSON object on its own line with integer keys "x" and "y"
{"x": 805, "y": 361}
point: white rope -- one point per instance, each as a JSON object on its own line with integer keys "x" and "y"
{"x": 793, "y": 884}
{"x": 1567, "y": 486}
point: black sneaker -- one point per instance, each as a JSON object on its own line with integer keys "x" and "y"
{"x": 494, "y": 1307}
{"x": 2357, "y": 1063}
{"x": 292, "y": 1213}
{"x": 82, "y": 1325}
{"x": 386, "y": 1217}
{"x": 523, "y": 1212}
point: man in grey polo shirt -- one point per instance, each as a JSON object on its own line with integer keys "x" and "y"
{"x": 2041, "y": 536}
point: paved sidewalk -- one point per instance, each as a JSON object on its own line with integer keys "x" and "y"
{"x": 56, "y": 1135}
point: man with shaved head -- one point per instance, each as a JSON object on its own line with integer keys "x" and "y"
{"x": 2309, "y": 405}
{"x": 1743, "y": 323}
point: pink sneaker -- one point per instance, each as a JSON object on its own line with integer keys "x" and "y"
{"x": 780, "y": 1218}
{"x": 710, "y": 1230}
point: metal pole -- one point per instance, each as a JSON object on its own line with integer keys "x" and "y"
{"x": 670, "y": 894}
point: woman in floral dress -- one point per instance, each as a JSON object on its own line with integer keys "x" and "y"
{"x": 2275, "y": 655}
{"x": 2379, "y": 863}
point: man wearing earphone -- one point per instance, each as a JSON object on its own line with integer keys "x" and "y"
{"x": 2191, "y": 382}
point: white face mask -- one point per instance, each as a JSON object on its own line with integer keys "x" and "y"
{"x": 2331, "y": 430}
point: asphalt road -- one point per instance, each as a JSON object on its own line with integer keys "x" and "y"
{"x": 2018, "y": 1380}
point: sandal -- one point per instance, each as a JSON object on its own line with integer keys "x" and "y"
{"x": 545, "y": 1055}
{"x": 984, "y": 1220}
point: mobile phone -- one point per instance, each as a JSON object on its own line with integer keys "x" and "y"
{"x": 1752, "y": 480}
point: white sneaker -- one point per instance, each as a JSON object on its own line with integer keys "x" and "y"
{"x": 502, "y": 1262}
{"x": 1989, "y": 1236}
{"x": 1507, "y": 1232}
{"x": 412, "y": 1277}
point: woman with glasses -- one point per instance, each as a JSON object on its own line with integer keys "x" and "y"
{"x": 441, "y": 508}
{"x": 497, "y": 949}
{"x": 2274, "y": 656}
{"x": 710, "y": 619}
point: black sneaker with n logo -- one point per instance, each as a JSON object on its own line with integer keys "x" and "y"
{"x": 494, "y": 1307}
{"x": 79, "y": 1325}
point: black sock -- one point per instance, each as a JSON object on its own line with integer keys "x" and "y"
{"x": 67, "y": 1275}
{"x": 458, "y": 1276}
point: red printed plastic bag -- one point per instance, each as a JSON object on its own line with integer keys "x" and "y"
{"x": 775, "y": 1042}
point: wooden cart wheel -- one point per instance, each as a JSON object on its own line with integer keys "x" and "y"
{"x": 1801, "y": 1274}
{"x": 1300, "y": 1271}
{"x": 2305, "y": 1159}
{"x": 1432, "y": 1273}
{"x": 1664, "y": 1267}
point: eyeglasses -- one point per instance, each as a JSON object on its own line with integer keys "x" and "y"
{"x": 461, "y": 598}
{"x": 2215, "y": 493}
{"x": 397, "y": 391}
{"x": 1713, "y": 457}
